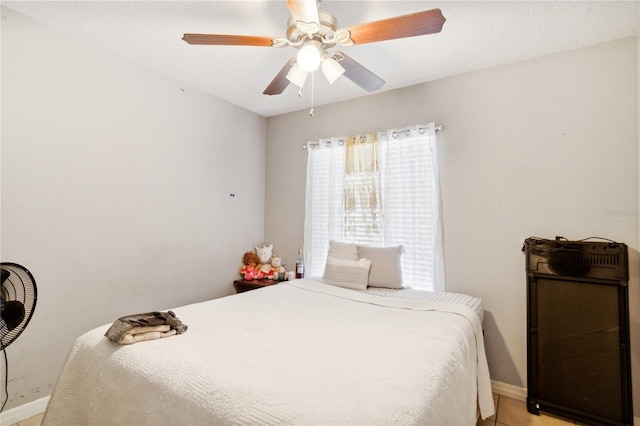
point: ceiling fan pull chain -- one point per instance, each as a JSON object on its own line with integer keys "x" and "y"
{"x": 312, "y": 80}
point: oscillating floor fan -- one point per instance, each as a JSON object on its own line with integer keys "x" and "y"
{"x": 18, "y": 301}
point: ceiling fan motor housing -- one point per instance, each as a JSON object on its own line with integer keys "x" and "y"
{"x": 298, "y": 31}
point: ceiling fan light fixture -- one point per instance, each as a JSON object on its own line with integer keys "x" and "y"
{"x": 310, "y": 56}
{"x": 297, "y": 75}
{"x": 331, "y": 69}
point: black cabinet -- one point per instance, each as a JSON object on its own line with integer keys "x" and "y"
{"x": 578, "y": 352}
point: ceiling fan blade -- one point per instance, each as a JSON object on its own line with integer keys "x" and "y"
{"x": 226, "y": 39}
{"x": 415, "y": 24}
{"x": 304, "y": 11}
{"x": 359, "y": 74}
{"x": 280, "y": 82}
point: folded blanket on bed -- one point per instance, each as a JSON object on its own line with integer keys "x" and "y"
{"x": 148, "y": 326}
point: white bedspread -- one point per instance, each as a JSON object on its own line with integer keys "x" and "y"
{"x": 299, "y": 353}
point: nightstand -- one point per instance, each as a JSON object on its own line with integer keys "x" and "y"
{"x": 243, "y": 285}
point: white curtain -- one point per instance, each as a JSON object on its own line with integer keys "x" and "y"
{"x": 406, "y": 191}
{"x": 324, "y": 201}
{"x": 412, "y": 204}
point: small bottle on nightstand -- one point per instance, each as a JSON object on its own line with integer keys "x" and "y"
{"x": 300, "y": 265}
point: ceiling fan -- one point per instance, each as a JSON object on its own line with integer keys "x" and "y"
{"x": 314, "y": 32}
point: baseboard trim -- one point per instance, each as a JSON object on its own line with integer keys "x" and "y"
{"x": 24, "y": 411}
{"x": 511, "y": 391}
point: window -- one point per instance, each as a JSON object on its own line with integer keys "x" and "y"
{"x": 378, "y": 189}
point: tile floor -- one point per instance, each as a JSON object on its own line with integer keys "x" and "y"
{"x": 31, "y": 421}
{"x": 509, "y": 412}
{"x": 512, "y": 412}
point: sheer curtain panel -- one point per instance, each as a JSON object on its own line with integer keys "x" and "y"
{"x": 411, "y": 202}
{"x": 324, "y": 201}
{"x": 363, "y": 220}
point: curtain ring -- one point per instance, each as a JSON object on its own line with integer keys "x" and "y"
{"x": 421, "y": 130}
{"x": 341, "y": 142}
{"x": 328, "y": 144}
{"x": 394, "y": 135}
{"x": 408, "y": 132}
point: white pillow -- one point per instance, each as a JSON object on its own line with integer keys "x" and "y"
{"x": 344, "y": 251}
{"x": 352, "y": 274}
{"x": 386, "y": 266}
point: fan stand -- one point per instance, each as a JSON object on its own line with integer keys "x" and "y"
{"x": 18, "y": 296}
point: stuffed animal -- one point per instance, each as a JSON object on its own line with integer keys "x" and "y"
{"x": 276, "y": 265}
{"x": 264, "y": 254}
{"x": 251, "y": 269}
{"x": 277, "y": 270}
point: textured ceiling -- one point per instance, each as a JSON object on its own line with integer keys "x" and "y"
{"x": 476, "y": 35}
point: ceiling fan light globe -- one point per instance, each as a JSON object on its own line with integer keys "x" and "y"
{"x": 331, "y": 69}
{"x": 297, "y": 75}
{"x": 309, "y": 57}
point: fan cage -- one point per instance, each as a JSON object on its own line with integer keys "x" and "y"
{"x": 19, "y": 286}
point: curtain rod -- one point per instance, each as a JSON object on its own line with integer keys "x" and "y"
{"x": 437, "y": 128}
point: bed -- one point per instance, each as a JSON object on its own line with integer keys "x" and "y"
{"x": 297, "y": 353}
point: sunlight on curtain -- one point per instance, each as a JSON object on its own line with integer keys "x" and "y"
{"x": 363, "y": 219}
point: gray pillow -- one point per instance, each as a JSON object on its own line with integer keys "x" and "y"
{"x": 386, "y": 266}
{"x": 344, "y": 251}
{"x": 351, "y": 274}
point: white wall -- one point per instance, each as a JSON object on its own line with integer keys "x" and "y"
{"x": 541, "y": 148}
{"x": 116, "y": 188}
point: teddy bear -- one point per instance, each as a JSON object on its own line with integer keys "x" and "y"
{"x": 251, "y": 269}
{"x": 276, "y": 268}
